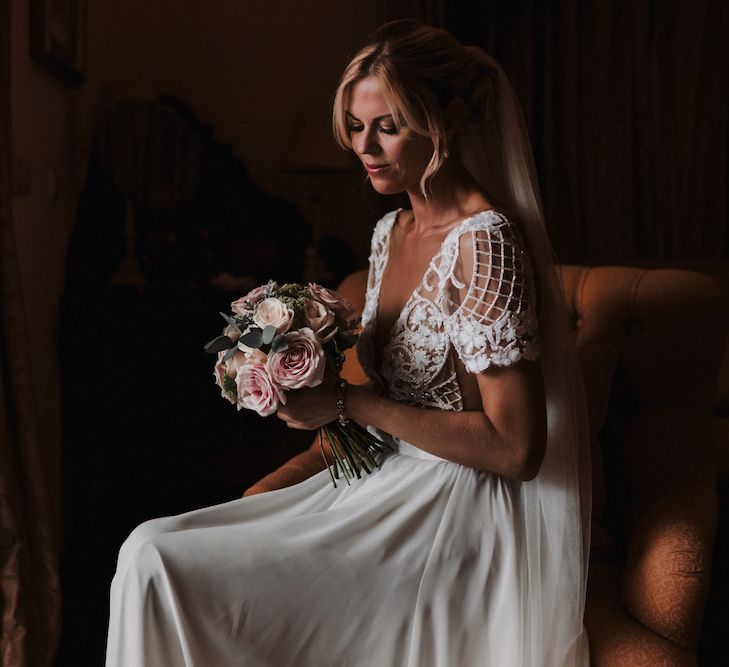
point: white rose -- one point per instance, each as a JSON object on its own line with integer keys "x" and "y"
{"x": 272, "y": 312}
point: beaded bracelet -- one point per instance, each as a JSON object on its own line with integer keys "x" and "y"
{"x": 343, "y": 419}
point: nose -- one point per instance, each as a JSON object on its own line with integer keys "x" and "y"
{"x": 365, "y": 143}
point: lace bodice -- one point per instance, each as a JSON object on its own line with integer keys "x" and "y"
{"x": 476, "y": 298}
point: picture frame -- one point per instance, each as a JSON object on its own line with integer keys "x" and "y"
{"x": 58, "y": 38}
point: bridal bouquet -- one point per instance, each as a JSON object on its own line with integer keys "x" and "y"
{"x": 280, "y": 338}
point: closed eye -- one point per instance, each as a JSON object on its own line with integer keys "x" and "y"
{"x": 385, "y": 129}
{"x": 385, "y": 124}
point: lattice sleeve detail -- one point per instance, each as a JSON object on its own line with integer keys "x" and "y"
{"x": 490, "y": 302}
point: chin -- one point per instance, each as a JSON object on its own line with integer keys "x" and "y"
{"x": 384, "y": 188}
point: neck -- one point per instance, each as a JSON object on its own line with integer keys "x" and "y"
{"x": 452, "y": 196}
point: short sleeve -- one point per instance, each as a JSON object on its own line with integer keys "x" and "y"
{"x": 491, "y": 305}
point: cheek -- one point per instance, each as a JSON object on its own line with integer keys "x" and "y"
{"x": 415, "y": 162}
{"x": 416, "y": 152}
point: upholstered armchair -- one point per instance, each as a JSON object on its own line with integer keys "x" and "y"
{"x": 650, "y": 342}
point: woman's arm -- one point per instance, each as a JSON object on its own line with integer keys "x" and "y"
{"x": 295, "y": 470}
{"x": 507, "y": 436}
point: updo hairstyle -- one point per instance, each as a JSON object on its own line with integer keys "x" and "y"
{"x": 433, "y": 84}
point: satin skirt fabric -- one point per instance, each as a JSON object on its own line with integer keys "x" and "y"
{"x": 417, "y": 565}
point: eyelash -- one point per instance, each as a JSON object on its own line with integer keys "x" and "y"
{"x": 385, "y": 130}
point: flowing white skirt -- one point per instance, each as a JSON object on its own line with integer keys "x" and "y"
{"x": 418, "y": 564}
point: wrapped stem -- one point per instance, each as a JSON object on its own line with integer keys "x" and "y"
{"x": 353, "y": 449}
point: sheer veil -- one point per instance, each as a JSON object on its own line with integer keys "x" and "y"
{"x": 556, "y": 504}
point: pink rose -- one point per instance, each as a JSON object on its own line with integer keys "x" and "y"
{"x": 231, "y": 367}
{"x": 239, "y": 306}
{"x": 334, "y": 301}
{"x": 219, "y": 373}
{"x": 228, "y": 369}
{"x": 301, "y": 365}
{"x": 272, "y": 312}
{"x": 256, "y": 390}
{"x": 320, "y": 319}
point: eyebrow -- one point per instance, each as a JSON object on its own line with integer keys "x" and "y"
{"x": 374, "y": 120}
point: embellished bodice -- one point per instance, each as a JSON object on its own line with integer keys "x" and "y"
{"x": 476, "y": 299}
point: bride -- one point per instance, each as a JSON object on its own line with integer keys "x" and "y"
{"x": 468, "y": 545}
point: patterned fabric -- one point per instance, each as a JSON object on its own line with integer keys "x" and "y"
{"x": 477, "y": 297}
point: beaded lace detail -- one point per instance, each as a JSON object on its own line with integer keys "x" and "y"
{"x": 476, "y": 297}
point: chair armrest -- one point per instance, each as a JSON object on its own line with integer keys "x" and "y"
{"x": 616, "y": 638}
{"x": 673, "y": 516}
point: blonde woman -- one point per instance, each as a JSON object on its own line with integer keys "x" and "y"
{"x": 468, "y": 546}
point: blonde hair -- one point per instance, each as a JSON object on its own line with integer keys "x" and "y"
{"x": 423, "y": 70}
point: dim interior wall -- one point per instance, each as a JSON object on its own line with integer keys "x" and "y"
{"x": 43, "y": 214}
{"x": 248, "y": 69}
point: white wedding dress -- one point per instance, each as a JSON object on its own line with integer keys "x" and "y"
{"x": 420, "y": 564}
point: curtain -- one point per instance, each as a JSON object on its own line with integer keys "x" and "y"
{"x": 29, "y": 588}
{"x": 628, "y": 108}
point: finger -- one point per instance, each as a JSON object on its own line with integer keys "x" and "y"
{"x": 302, "y": 425}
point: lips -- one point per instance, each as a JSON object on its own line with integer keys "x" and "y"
{"x": 376, "y": 169}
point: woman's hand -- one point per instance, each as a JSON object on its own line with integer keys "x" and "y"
{"x": 308, "y": 409}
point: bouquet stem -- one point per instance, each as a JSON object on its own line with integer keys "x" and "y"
{"x": 353, "y": 448}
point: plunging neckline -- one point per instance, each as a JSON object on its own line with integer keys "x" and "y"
{"x": 379, "y": 352}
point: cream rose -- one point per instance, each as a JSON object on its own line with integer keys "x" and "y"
{"x": 251, "y": 353}
{"x": 232, "y": 332}
{"x": 272, "y": 312}
{"x": 301, "y": 365}
{"x": 320, "y": 319}
{"x": 256, "y": 390}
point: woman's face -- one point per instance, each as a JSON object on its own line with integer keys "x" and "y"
{"x": 395, "y": 158}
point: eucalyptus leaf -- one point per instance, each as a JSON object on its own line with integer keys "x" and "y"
{"x": 218, "y": 345}
{"x": 330, "y": 357}
{"x": 279, "y": 344}
{"x": 230, "y": 321}
{"x": 253, "y": 338}
{"x": 230, "y": 353}
{"x": 268, "y": 334}
{"x": 345, "y": 340}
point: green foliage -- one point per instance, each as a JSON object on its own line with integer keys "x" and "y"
{"x": 254, "y": 338}
{"x": 279, "y": 344}
{"x": 268, "y": 334}
{"x": 292, "y": 291}
{"x": 230, "y": 389}
{"x": 218, "y": 344}
{"x": 230, "y": 321}
{"x": 345, "y": 340}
